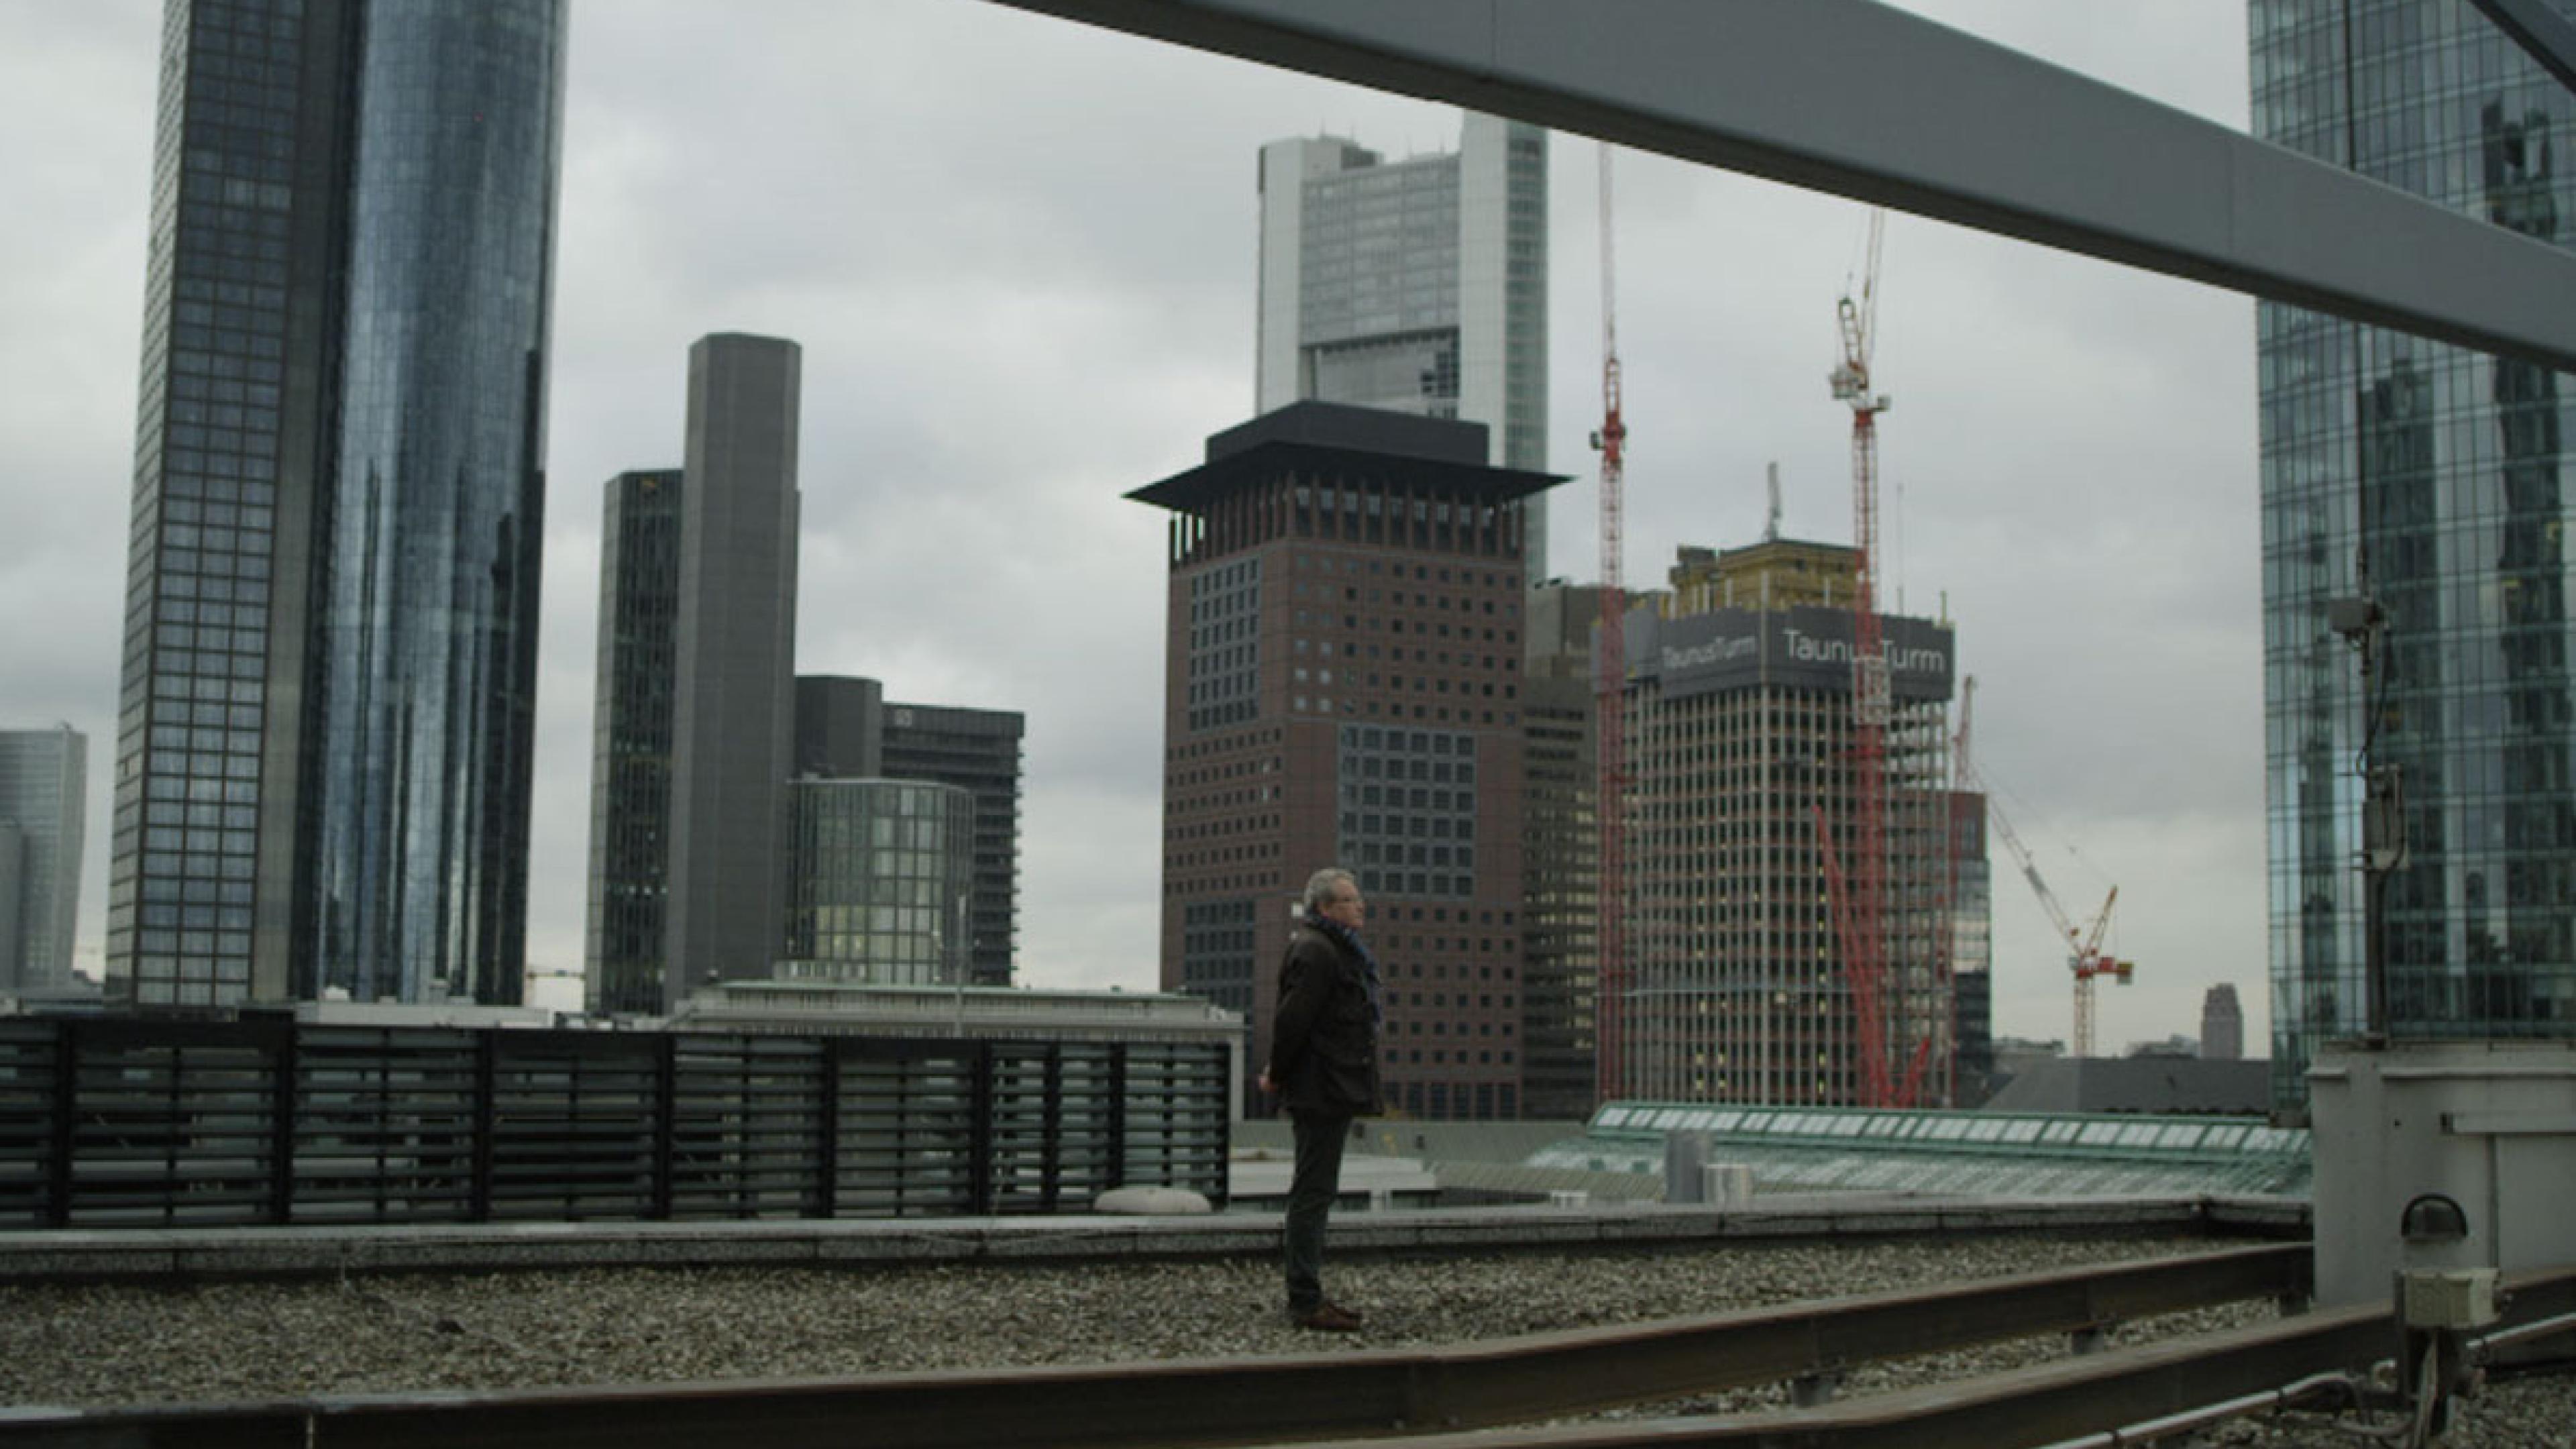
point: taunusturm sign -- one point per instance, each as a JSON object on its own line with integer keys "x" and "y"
{"x": 1799, "y": 648}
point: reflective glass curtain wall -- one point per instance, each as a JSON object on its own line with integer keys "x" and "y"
{"x": 339, "y": 420}
{"x": 207, "y": 844}
{"x": 430, "y": 632}
{"x": 2439, "y": 472}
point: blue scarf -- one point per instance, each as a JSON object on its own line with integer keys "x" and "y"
{"x": 1350, "y": 941}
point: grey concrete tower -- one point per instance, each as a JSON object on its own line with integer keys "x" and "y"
{"x": 734, "y": 700}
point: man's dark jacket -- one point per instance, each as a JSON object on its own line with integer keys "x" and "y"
{"x": 1323, "y": 1043}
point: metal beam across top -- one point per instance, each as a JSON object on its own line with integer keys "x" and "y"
{"x": 2544, "y": 34}
{"x": 1860, "y": 99}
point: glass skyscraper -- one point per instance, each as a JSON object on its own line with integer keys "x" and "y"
{"x": 1417, "y": 286}
{"x": 44, "y": 817}
{"x": 630, "y": 761}
{"x": 2430, "y": 478}
{"x": 324, "y": 720}
{"x": 846, "y": 729}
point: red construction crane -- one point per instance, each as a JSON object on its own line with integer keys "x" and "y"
{"x": 2085, "y": 958}
{"x": 1863, "y": 912}
{"x": 1610, "y": 659}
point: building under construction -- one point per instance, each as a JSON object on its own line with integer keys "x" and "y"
{"x": 1741, "y": 815}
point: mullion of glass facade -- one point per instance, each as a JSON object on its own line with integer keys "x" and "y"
{"x": 2439, "y": 472}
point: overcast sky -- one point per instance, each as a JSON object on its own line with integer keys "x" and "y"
{"x": 1019, "y": 255}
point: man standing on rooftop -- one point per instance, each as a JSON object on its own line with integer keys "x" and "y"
{"x": 1323, "y": 1068}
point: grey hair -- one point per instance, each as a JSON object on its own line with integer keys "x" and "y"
{"x": 1320, "y": 886}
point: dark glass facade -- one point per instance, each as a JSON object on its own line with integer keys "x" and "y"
{"x": 340, "y": 415}
{"x": 1972, "y": 949}
{"x": 630, "y": 783}
{"x": 1560, "y": 854}
{"x": 978, "y": 751}
{"x": 2431, "y": 478}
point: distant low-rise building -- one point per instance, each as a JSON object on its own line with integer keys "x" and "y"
{"x": 1135, "y": 1019}
{"x": 2157, "y": 1085}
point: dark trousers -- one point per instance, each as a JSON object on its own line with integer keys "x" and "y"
{"x": 1320, "y": 1137}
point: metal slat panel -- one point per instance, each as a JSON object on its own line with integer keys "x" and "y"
{"x": 746, "y": 1127}
{"x": 384, "y": 1125}
{"x": 30, "y": 1066}
{"x": 140, "y": 1122}
{"x": 574, "y": 1127}
{"x": 172, "y": 1127}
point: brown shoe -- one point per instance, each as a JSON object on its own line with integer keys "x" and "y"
{"x": 1347, "y": 1311}
{"x": 1327, "y": 1318}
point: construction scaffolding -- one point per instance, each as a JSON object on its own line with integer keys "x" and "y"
{"x": 1741, "y": 729}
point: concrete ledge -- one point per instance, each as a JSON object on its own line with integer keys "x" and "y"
{"x": 148, "y": 1254}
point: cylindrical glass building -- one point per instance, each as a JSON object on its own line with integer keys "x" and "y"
{"x": 429, "y": 636}
{"x": 880, "y": 887}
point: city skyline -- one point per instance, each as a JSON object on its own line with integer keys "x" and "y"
{"x": 1014, "y": 309}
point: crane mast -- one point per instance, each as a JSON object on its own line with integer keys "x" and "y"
{"x": 1865, "y": 873}
{"x": 1610, "y": 658}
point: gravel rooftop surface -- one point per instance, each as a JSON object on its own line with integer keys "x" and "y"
{"x": 108, "y": 1345}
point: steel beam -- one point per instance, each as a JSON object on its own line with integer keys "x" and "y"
{"x": 2545, "y": 35}
{"x": 1857, "y": 98}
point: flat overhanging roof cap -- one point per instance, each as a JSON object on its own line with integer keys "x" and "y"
{"x": 1335, "y": 439}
